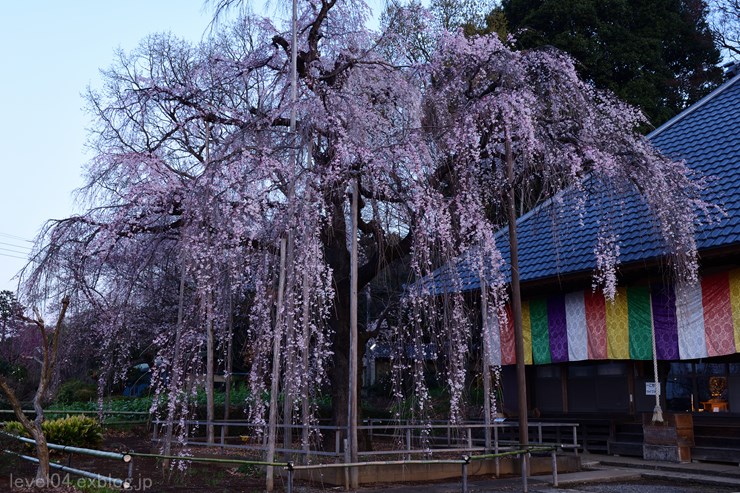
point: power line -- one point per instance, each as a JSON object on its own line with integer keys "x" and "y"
{"x": 15, "y": 246}
{"x": 16, "y": 237}
{"x": 13, "y": 251}
{"x": 12, "y": 256}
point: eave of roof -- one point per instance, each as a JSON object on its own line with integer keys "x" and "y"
{"x": 706, "y": 135}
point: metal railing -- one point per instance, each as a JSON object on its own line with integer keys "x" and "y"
{"x": 119, "y": 483}
{"x": 290, "y": 468}
{"x": 145, "y": 416}
{"x": 410, "y": 439}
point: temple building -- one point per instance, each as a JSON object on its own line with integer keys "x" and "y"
{"x": 591, "y": 360}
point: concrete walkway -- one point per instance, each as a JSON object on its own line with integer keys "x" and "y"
{"x": 710, "y": 474}
{"x": 597, "y": 469}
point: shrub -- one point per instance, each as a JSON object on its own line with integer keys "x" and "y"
{"x": 118, "y": 404}
{"x": 15, "y": 428}
{"x": 76, "y": 431}
{"x": 76, "y": 391}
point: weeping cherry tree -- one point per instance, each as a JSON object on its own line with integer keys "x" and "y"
{"x": 197, "y": 181}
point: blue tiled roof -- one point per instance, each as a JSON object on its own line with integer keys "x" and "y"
{"x": 706, "y": 136}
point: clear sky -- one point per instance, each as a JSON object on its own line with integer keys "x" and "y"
{"x": 50, "y": 51}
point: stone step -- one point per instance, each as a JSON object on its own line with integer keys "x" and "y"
{"x": 703, "y": 479}
{"x": 694, "y": 468}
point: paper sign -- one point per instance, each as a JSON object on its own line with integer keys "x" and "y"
{"x": 650, "y": 388}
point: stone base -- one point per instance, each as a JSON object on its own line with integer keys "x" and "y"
{"x": 430, "y": 472}
{"x": 666, "y": 453}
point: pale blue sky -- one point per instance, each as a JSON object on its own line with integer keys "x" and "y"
{"x": 50, "y": 51}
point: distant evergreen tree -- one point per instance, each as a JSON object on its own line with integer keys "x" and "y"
{"x": 658, "y": 54}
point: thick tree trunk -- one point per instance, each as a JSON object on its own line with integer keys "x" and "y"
{"x": 339, "y": 375}
{"x": 339, "y": 371}
{"x": 338, "y": 256}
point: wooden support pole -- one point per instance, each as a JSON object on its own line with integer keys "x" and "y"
{"x": 353, "y": 338}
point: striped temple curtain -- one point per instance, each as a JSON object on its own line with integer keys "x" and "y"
{"x": 689, "y": 322}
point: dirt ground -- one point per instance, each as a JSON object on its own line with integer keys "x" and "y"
{"x": 148, "y": 473}
{"x": 149, "y": 476}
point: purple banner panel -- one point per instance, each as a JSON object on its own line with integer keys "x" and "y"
{"x": 665, "y": 322}
{"x": 558, "y": 328}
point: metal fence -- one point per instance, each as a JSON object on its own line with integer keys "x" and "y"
{"x": 522, "y": 454}
{"x": 105, "y": 417}
{"x": 407, "y": 439}
{"x": 119, "y": 483}
{"x": 378, "y": 429}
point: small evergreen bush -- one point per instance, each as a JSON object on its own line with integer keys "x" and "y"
{"x": 15, "y": 428}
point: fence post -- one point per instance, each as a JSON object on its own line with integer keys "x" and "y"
{"x": 523, "y": 462}
{"x": 495, "y": 450}
{"x": 470, "y": 438}
{"x": 554, "y": 469}
{"x": 290, "y": 477}
{"x": 575, "y": 438}
{"x": 408, "y": 443}
{"x": 347, "y": 460}
{"x": 466, "y": 461}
